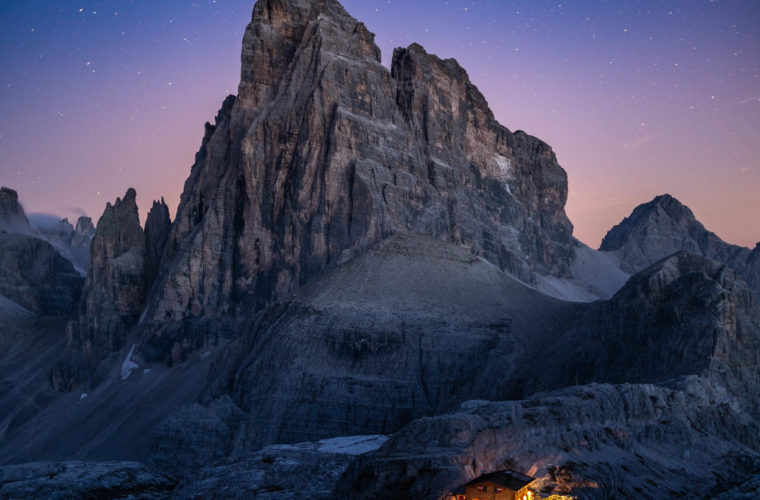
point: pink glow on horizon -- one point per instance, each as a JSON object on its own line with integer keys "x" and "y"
{"x": 635, "y": 104}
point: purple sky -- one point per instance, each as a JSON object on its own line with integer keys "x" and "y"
{"x": 637, "y": 98}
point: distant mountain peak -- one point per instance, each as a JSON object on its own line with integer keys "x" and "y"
{"x": 664, "y": 226}
{"x": 664, "y": 209}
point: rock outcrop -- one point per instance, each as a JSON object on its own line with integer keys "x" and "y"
{"x": 685, "y": 315}
{"x": 591, "y": 442}
{"x": 281, "y": 472}
{"x": 65, "y": 480}
{"x": 324, "y": 152}
{"x": 414, "y": 326}
{"x": 124, "y": 263}
{"x": 84, "y": 226}
{"x": 114, "y": 291}
{"x": 12, "y": 216}
{"x": 195, "y": 436}
{"x": 665, "y": 226}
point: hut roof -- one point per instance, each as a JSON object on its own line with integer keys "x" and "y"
{"x": 506, "y": 478}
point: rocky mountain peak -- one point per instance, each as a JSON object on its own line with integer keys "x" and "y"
{"x": 665, "y": 226}
{"x": 280, "y": 12}
{"x": 114, "y": 292}
{"x": 281, "y": 29}
{"x": 325, "y": 152}
{"x": 84, "y": 225}
{"x": 12, "y": 216}
{"x": 662, "y": 212}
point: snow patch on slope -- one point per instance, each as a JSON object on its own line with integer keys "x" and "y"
{"x": 345, "y": 445}
{"x": 11, "y": 310}
{"x": 128, "y": 366}
{"x": 505, "y": 170}
{"x": 352, "y": 445}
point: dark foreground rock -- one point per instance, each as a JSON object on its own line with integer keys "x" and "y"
{"x": 594, "y": 442}
{"x": 81, "y": 480}
{"x": 282, "y": 472}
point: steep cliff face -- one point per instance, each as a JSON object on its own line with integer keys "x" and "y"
{"x": 324, "y": 152}
{"x": 114, "y": 292}
{"x": 12, "y": 216}
{"x": 157, "y": 228}
{"x": 665, "y": 226}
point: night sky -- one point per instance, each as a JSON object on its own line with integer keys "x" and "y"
{"x": 638, "y": 98}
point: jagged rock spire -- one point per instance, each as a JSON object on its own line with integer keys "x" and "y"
{"x": 114, "y": 293}
{"x": 324, "y": 152}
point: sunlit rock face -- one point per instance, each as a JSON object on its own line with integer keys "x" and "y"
{"x": 324, "y": 152}
{"x": 665, "y": 226}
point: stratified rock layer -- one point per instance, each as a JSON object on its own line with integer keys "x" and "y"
{"x": 325, "y": 152}
{"x": 592, "y": 442}
{"x": 65, "y": 480}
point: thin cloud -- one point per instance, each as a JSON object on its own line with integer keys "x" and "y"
{"x": 637, "y": 143}
{"x": 750, "y": 99}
